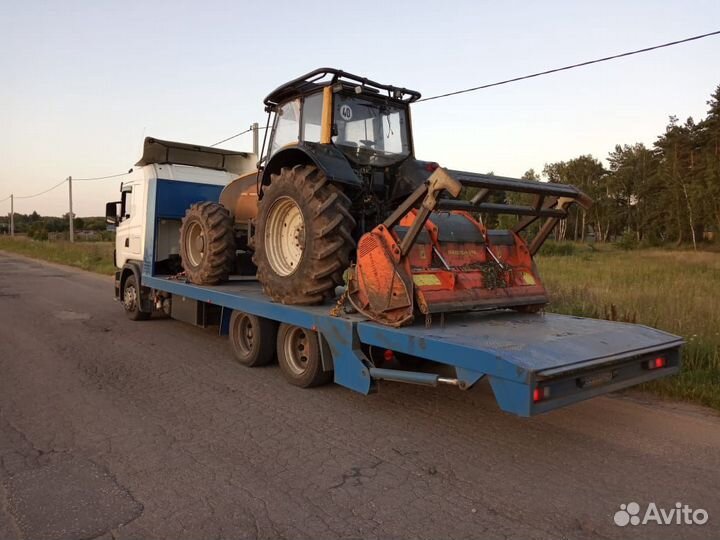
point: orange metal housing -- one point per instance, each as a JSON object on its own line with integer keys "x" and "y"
{"x": 477, "y": 274}
{"x": 454, "y": 265}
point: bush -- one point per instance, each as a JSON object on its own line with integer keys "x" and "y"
{"x": 38, "y": 231}
{"x": 627, "y": 241}
{"x": 557, "y": 249}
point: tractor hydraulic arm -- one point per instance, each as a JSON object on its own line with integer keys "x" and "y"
{"x": 551, "y": 201}
{"x": 428, "y": 192}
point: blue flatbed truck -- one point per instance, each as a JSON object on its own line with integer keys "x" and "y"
{"x": 534, "y": 362}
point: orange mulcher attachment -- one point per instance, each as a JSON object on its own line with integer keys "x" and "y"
{"x": 441, "y": 259}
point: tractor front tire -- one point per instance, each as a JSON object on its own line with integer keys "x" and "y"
{"x": 302, "y": 241}
{"x": 207, "y": 243}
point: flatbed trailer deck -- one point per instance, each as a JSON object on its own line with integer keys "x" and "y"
{"x": 534, "y": 362}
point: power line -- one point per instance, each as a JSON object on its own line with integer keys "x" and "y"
{"x": 232, "y": 137}
{"x": 573, "y": 66}
{"x": 237, "y": 135}
{"x": 65, "y": 180}
{"x": 101, "y": 177}
{"x": 42, "y": 192}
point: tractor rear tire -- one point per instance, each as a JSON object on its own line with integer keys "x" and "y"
{"x": 302, "y": 241}
{"x": 207, "y": 243}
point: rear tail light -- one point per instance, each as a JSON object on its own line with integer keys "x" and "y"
{"x": 540, "y": 393}
{"x": 656, "y": 363}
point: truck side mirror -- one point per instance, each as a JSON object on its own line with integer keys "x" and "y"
{"x": 111, "y": 213}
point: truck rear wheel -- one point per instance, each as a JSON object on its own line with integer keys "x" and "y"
{"x": 252, "y": 339}
{"x": 207, "y": 243}
{"x": 302, "y": 239}
{"x": 298, "y": 351}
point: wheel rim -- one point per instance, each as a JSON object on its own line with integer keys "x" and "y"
{"x": 244, "y": 334}
{"x": 195, "y": 243}
{"x": 297, "y": 349}
{"x": 284, "y": 236}
{"x": 130, "y": 297}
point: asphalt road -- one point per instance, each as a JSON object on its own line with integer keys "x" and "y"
{"x": 118, "y": 429}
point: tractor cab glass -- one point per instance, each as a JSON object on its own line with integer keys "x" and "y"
{"x": 287, "y": 125}
{"x": 370, "y": 132}
{"x": 312, "y": 118}
{"x": 287, "y": 122}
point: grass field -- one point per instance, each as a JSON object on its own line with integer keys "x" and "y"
{"x": 93, "y": 256}
{"x": 677, "y": 291}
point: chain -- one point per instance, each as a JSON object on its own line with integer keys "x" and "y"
{"x": 337, "y": 310}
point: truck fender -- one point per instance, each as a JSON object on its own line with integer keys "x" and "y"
{"x": 325, "y": 157}
{"x": 133, "y": 268}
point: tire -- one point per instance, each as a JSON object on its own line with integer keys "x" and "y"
{"x": 131, "y": 300}
{"x": 298, "y": 351}
{"x": 302, "y": 241}
{"x": 252, "y": 339}
{"x": 207, "y": 243}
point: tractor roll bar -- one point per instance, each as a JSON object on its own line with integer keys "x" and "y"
{"x": 326, "y": 76}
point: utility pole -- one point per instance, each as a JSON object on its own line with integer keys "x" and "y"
{"x": 256, "y": 138}
{"x": 12, "y": 215}
{"x": 70, "y": 215}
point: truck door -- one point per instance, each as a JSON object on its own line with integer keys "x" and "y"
{"x": 130, "y": 230}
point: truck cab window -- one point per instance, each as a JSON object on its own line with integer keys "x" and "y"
{"x": 126, "y": 203}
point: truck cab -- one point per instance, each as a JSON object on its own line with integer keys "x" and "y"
{"x": 167, "y": 180}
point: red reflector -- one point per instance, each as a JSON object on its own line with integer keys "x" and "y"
{"x": 656, "y": 363}
{"x": 540, "y": 393}
{"x": 388, "y": 355}
{"x": 430, "y": 167}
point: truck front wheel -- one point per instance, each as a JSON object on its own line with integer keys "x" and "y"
{"x": 131, "y": 300}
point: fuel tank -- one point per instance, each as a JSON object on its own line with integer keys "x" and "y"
{"x": 241, "y": 198}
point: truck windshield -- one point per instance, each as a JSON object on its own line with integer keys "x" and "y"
{"x": 370, "y": 132}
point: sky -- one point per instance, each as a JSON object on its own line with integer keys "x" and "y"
{"x": 82, "y": 83}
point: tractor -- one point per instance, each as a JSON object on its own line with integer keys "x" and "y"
{"x": 339, "y": 199}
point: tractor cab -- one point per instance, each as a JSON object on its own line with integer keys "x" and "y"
{"x": 366, "y": 122}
